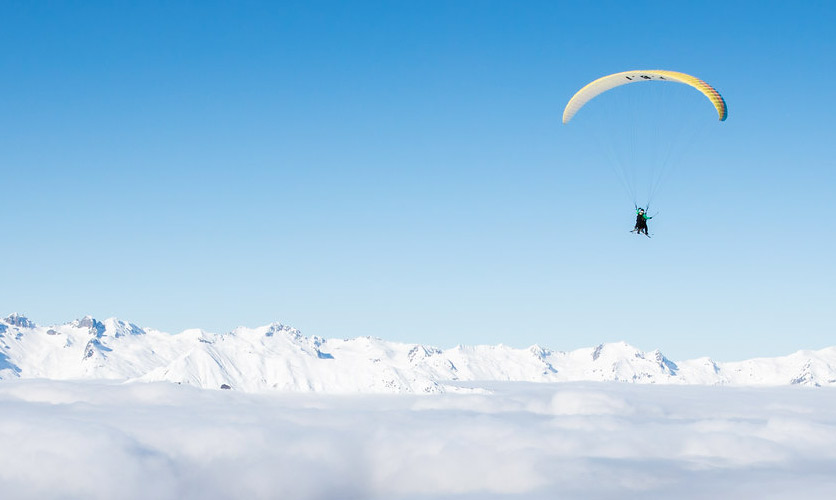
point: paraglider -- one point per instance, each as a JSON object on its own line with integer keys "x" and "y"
{"x": 643, "y": 174}
{"x": 603, "y": 84}
{"x": 641, "y": 222}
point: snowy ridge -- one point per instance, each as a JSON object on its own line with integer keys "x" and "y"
{"x": 276, "y": 357}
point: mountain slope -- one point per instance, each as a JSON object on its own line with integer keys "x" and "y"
{"x": 279, "y": 358}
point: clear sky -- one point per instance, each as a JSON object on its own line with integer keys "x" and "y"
{"x": 399, "y": 169}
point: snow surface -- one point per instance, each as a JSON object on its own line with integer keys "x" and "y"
{"x": 584, "y": 440}
{"x": 276, "y": 357}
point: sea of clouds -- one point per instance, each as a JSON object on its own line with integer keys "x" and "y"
{"x": 501, "y": 440}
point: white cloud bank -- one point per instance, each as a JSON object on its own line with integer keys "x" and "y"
{"x": 520, "y": 440}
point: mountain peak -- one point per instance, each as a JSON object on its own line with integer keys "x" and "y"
{"x": 276, "y": 327}
{"x": 19, "y": 320}
{"x": 95, "y": 326}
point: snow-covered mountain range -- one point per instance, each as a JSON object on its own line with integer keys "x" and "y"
{"x": 276, "y": 357}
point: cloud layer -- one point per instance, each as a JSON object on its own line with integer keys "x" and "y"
{"x": 573, "y": 440}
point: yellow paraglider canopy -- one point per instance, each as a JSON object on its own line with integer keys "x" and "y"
{"x": 606, "y": 83}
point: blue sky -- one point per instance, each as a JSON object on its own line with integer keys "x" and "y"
{"x": 399, "y": 169}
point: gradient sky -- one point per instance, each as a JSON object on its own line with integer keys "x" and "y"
{"x": 399, "y": 169}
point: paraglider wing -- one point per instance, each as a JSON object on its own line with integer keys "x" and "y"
{"x": 606, "y": 83}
